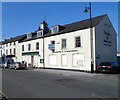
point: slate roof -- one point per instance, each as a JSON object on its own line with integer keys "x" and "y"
{"x": 80, "y": 25}
{"x": 17, "y": 38}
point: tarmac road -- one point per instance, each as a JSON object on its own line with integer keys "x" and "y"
{"x": 48, "y": 83}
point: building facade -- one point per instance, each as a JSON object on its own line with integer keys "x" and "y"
{"x": 70, "y": 46}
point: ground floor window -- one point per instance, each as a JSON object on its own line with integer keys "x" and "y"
{"x": 78, "y": 60}
{"x": 64, "y": 60}
{"x": 52, "y": 60}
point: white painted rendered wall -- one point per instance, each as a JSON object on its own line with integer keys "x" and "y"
{"x": 70, "y": 40}
{"x": 27, "y": 58}
{"x": 107, "y": 53}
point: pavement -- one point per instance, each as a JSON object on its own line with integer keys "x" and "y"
{"x": 49, "y": 83}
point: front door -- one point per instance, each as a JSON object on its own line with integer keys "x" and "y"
{"x": 32, "y": 61}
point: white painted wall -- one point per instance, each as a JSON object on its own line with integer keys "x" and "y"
{"x": 106, "y": 53}
{"x": 27, "y": 58}
{"x": 70, "y": 38}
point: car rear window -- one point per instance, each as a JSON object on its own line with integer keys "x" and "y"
{"x": 105, "y": 64}
{"x": 114, "y": 64}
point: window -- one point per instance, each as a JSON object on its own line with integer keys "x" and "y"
{"x": 29, "y": 35}
{"x": 1, "y": 52}
{"x": 29, "y": 47}
{"x": 14, "y": 43}
{"x": 78, "y": 60}
{"x": 37, "y": 46}
{"x": 52, "y": 42}
{"x": 63, "y": 43}
{"x": 77, "y": 41}
{"x": 6, "y": 52}
{"x": 64, "y": 60}
{"x": 52, "y": 60}
{"x": 6, "y": 45}
{"x": 10, "y": 51}
{"x": 40, "y": 33}
{"x": 55, "y": 29}
{"x": 22, "y": 47}
{"x": 14, "y": 51}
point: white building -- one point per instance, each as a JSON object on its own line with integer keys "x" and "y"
{"x": 9, "y": 49}
{"x": 70, "y": 46}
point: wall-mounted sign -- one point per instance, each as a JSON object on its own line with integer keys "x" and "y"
{"x": 62, "y": 51}
{"x": 51, "y": 46}
{"x": 107, "y": 40}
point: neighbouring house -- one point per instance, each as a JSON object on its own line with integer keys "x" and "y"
{"x": 10, "y": 49}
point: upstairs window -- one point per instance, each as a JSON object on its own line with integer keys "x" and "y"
{"x": 29, "y": 35}
{"x": 77, "y": 41}
{"x": 14, "y": 43}
{"x": 29, "y": 47}
{"x": 10, "y": 44}
{"x": 55, "y": 29}
{"x": 14, "y": 51}
{"x": 40, "y": 33}
{"x": 6, "y": 45}
{"x": 10, "y": 51}
{"x": 52, "y": 42}
{"x": 63, "y": 43}
{"x": 6, "y": 52}
{"x": 37, "y": 46}
{"x": 22, "y": 47}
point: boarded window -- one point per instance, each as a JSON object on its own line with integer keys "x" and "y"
{"x": 52, "y": 60}
{"x": 78, "y": 60}
{"x": 64, "y": 60}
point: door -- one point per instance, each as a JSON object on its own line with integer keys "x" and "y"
{"x": 32, "y": 61}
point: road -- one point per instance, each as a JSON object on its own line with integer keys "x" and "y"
{"x": 48, "y": 83}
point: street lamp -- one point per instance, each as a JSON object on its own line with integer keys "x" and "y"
{"x": 88, "y": 9}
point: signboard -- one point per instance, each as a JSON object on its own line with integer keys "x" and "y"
{"x": 51, "y": 46}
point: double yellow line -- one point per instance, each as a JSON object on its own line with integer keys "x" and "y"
{"x": 4, "y": 96}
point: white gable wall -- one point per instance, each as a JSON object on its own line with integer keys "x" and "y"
{"x": 105, "y": 53}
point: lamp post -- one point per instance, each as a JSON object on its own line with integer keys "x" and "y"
{"x": 88, "y": 9}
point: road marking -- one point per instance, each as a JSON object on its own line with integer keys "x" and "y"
{"x": 3, "y": 95}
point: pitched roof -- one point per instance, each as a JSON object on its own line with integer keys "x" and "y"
{"x": 80, "y": 25}
{"x": 17, "y": 38}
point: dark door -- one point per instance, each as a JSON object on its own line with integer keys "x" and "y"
{"x": 32, "y": 60}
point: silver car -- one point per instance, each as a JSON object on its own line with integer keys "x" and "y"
{"x": 17, "y": 65}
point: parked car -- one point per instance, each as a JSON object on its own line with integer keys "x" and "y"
{"x": 111, "y": 67}
{"x": 3, "y": 65}
{"x": 17, "y": 65}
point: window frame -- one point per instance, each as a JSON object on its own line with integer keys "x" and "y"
{"x": 78, "y": 43}
{"x": 23, "y": 48}
{"x": 37, "y": 45}
{"x": 29, "y": 47}
{"x": 63, "y": 43}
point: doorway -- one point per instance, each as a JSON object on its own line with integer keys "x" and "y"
{"x": 32, "y": 61}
